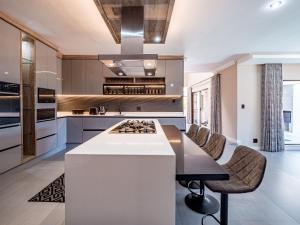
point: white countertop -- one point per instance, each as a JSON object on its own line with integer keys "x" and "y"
{"x": 125, "y": 114}
{"x": 126, "y": 144}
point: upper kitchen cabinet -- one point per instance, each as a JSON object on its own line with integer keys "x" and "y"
{"x": 46, "y": 66}
{"x": 174, "y": 77}
{"x": 59, "y": 76}
{"x": 93, "y": 78}
{"x": 41, "y": 64}
{"x": 82, "y": 77}
{"x": 10, "y": 53}
{"x": 160, "y": 68}
{"x": 67, "y": 77}
{"x": 78, "y": 77}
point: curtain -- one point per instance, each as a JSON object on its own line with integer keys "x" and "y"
{"x": 216, "y": 117}
{"x": 189, "y": 105}
{"x": 272, "y": 109}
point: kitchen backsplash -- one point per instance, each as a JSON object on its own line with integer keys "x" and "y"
{"x": 128, "y": 104}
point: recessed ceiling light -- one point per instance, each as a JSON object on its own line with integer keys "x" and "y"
{"x": 149, "y": 64}
{"x": 149, "y": 74}
{"x": 120, "y": 74}
{"x": 275, "y": 4}
{"x": 157, "y": 39}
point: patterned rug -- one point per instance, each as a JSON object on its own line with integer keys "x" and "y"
{"x": 54, "y": 192}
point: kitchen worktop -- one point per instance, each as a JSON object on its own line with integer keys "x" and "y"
{"x": 126, "y": 144}
{"x": 125, "y": 114}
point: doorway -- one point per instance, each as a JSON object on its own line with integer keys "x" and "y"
{"x": 291, "y": 111}
{"x": 200, "y": 107}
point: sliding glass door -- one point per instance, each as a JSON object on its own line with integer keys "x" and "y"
{"x": 291, "y": 112}
{"x": 200, "y": 107}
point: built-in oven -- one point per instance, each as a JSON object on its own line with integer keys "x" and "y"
{"x": 45, "y": 114}
{"x": 9, "y": 104}
{"x": 46, "y": 95}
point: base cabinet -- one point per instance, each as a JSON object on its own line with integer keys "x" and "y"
{"x": 74, "y": 130}
{"x": 10, "y": 158}
{"x": 61, "y": 131}
{"x": 46, "y": 144}
{"x": 87, "y": 135}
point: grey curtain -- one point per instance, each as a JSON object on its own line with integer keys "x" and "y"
{"x": 216, "y": 116}
{"x": 271, "y": 109}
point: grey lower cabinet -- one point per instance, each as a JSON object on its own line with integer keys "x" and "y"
{"x": 10, "y": 148}
{"x": 81, "y": 129}
{"x": 74, "y": 130}
{"x": 61, "y": 132}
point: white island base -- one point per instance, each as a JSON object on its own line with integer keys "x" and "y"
{"x": 121, "y": 179}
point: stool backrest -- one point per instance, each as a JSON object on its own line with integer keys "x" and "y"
{"x": 248, "y": 165}
{"x": 192, "y": 131}
{"x": 215, "y": 145}
{"x": 202, "y": 136}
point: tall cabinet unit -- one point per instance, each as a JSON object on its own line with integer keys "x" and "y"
{"x": 10, "y": 56}
{"x": 174, "y": 77}
{"x": 10, "y": 46}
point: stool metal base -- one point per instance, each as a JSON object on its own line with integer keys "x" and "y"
{"x": 193, "y": 185}
{"x": 206, "y": 204}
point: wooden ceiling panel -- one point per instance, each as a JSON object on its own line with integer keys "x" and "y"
{"x": 157, "y": 15}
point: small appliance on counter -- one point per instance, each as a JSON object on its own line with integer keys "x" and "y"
{"x": 77, "y": 111}
{"x": 94, "y": 111}
{"x": 102, "y": 110}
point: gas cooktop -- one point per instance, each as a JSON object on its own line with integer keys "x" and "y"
{"x": 135, "y": 127}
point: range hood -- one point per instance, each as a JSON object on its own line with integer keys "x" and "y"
{"x": 131, "y": 61}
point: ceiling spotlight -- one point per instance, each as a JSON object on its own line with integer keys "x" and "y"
{"x": 149, "y": 74}
{"x": 120, "y": 74}
{"x": 111, "y": 64}
{"x": 275, "y": 4}
{"x": 149, "y": 64}
{"x": 157, "y": 39}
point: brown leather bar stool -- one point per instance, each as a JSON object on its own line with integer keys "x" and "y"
{"x": 246, "y": 169}
{"x": 201, "y": 202}
{"x": 202, "y": 136}
{"x": 200, "y": 139}
{"x": 192, "y": 132}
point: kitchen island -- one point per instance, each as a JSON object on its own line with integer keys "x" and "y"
{"x": 120, "y": 178}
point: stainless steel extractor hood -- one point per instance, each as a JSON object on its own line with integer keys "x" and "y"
{"x": 131, "y": 61}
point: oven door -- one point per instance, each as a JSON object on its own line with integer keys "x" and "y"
{"x": 45, "y": 114}
{"x": 46, "y": 95}
{"x": 9, "y": 104}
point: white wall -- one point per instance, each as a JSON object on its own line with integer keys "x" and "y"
{"x": 229, "y": 102}
{"x": 248, "y": 92}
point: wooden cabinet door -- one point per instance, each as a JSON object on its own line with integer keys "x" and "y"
{"x": 41, "y": 64}
{"x": 78, "y": 77}
{"x": 10, "y": 53}
{"x": 93, "y": 77}
{"x": 67, "y": 77}
{"x": 160, "y": 68}
{"x": 174, "y": 77}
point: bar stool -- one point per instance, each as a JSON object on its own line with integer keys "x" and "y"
{"x": 200, "y": 140}
{"x": 246, "y": 169}
{"x": 201, "y": 202}
{"x": 192, "y": 132}
{"x": 202, "y": 136}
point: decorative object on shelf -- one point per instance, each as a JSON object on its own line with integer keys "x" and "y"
{"x": 77, "y": 111}
{"x": 134, "y": 86}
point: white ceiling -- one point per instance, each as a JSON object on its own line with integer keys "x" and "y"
{"x": 207, "y": 32}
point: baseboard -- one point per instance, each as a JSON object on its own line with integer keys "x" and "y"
{"x": 292, "y": 147}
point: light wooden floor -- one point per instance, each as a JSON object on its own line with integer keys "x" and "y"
{"x": 276, "y": 202}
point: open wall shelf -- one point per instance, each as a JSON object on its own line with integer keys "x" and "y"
{"x": 134, "y": 86}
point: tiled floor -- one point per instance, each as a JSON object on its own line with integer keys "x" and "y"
{"x": 276, "y": 202}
